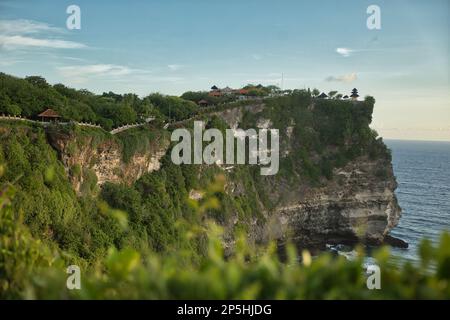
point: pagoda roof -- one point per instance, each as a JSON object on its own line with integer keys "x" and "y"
{"x": 49, "y": 113}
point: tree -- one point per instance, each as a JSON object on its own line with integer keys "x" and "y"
{"x": 144, "y": 109}
{"x": 123, "y": 114}
{"x": 195, "y": 96}
{"x": 273, "y": 89}
{"x": 13, "y": 109}
{"x": 110, "y": 94}
{"x": 315, "y": 92}
{"x": 331, "y": 94}
{"x": 370, "y": 100}
{"x": 172, "y": 107}
{"x": 37, "y": 81}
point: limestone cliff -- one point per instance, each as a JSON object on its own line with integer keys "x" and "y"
{"x": 85, "y": 156}
{"x": 355, "y": 205}
{"x": 356, "y": 202}
{"x": 336, "y": 183}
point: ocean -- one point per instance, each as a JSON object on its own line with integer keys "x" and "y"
{"x": 422, "y": 169}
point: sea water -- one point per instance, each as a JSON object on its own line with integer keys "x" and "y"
{"x": 422, "y": 170}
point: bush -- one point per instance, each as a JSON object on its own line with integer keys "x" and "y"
{"x": 29, "y": 271}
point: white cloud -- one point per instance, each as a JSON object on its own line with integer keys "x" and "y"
{"x": 344, "y": 78}
{"x": 174, "y": 67}
{"x": 75, "y": 59}
{"x": 12, "y": 42}
{"x": 112, "y": 73}
{"x": 17, "y": 34}
{"x": 345, "y": 52}
{"x": 257, "y": 56}
{"x": 22, "y": 26}
{"x": 96, "y": 70}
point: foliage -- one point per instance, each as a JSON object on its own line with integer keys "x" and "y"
{"x": 20, "y": 253}
{"x": 173, "y": 108}
{"x": 169, "y": 245}
{"x": 139, "y": 140}
{"x": 32, "y": 95}
{"x": 54, "y": 213}
{"x": 249, "y": 273}
{"x": 196, "y": 96}
{"x": 327, "y": 134}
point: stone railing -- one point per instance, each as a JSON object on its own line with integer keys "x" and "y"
{"x": 88, "y": 124}
{"x": 83, "y": 124}
{"x": 125, "y": 127}
{"x": 131, "y": 126}
{"x": 15, "y": 118}
{"x": 20, "y": 118}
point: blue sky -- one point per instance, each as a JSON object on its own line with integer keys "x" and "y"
{"x": 173, "y": 46}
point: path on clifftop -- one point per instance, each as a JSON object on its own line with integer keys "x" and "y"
{"x": 83, "y": 124}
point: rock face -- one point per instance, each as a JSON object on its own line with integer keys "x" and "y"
{"x": 355, "y": 206}
{"x": 104, "y": 159}
{"x": 234, "y": 116}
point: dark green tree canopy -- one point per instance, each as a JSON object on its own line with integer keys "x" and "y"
{"x": 32, "y": 95}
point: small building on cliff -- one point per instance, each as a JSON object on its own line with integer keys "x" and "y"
{"x": 354, "y": 94}
{"x": 49, "y": 115}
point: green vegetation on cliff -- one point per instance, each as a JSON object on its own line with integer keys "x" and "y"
{"x": 326, "y": 134}
{"x": 77, "y": 224}
{"x": 161, "y": 235}
{"x": 31, "y": 269}
{"x": 320, "y": 134}
{"x": 32, "y": 95}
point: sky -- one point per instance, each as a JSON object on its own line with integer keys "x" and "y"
{"x": 173, "y": 46}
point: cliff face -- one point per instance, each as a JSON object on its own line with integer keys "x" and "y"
{"x": 354, "y": 203}
{"x": 85, "y": 156}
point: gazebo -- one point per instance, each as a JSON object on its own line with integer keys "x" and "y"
{"x": 203, "y": 103}
{"x": 49, "y": 115}
{"x": 322, "y": 96}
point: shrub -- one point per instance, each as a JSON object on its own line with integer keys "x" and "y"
{"x": 251, "y": 272}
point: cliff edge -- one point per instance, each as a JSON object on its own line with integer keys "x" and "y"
{"x": 335, "y": 184}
